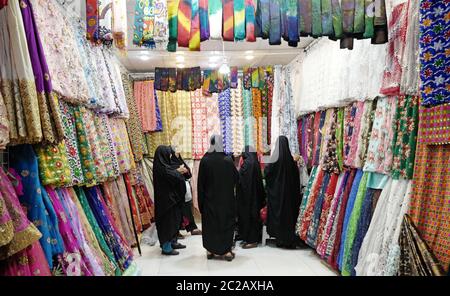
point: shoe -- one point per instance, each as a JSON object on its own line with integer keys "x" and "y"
{"x": 209, "y": 256}
{"x": 196, "y": 232}
{"x": 178, "y": 246}
{"x": 228, "y": 257}
{"x": 249, "y": 246}
{"x": 180, "y": 236}
{"x": 172, "y": 253}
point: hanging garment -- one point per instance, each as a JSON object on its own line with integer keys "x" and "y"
{"x": 239, "y": 19}
{"x": 228, "y": 20}
{"x": 348, "y": 12}
{"x": 369, "y": 8}
{"x": 216, "y": 199}
{"x": 92, "y": 21}
{"x": 275, "y": 23}
{"x": 194, "y": 38}
{"x": 161, "y": 28}
{"x": 215, "y": 18}
{"x": 416, "y": 259}
{"x": 405, "y": 136}
{"x": 379, "y": 153}
{"x": 250, "y": 20}
{"x": 48, "y": 103}
{"x": 204, "y": 20}
{"x": 172, "y": 79}
{"x": 397, "y": 38}
{"x": 283, "y": 193}
{"x": 53, "y": 165}
{"x": 379, "y": 252}
{"x": 184, "y": 23}
{"x": 172, "y": 14}
{"x": 250, "y": 196}
{"x": 234, "y": 77}
{"x": 358, "y": 18}
{"x": 144, "y": 23}
{"x": 410, "y": 61}
{"x": 434, "y": 47}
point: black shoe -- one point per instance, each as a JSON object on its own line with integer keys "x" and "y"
{"x": 172, "y": 253}
{"x": 178, "y": 246}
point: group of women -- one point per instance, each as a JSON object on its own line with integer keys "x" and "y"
{"x": 229, "y": 198}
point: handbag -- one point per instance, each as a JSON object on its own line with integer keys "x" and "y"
{"x": 263, "y": 215}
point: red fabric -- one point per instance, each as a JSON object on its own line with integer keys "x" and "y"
{"x": 228, "y": 20}
{"x": 184, "y": 23}
{"x": 3, "y": 3}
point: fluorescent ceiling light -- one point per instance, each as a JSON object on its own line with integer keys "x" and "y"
{"x": 224, "y": 69}
{"x": 213, "y": 65}
{"x": 181, "y": 66}
{"x": 145, "y": 57}
{"x": 214, "y": 58}
{"x": 249, "y": 51}
{"x": 249, "y": 57}
{"x": 180, "y": 59}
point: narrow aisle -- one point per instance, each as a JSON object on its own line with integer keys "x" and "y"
{"x": 262, "y": 261}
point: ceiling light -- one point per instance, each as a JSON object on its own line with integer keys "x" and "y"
{"x": 249, "y": 51}
{"x": 224, "y": 69}
{"x": 145, "y": 57}
{"x": 249, "y": 57}
{"x": 181, "y": 66}
{"x": 180, "y": 59}
{"x": 214, "y": 59}
{"x": 213, "y": 65}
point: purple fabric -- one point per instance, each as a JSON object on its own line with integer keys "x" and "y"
{"x": 37, "y": 55}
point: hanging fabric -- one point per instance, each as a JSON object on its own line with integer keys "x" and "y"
{"x": 316, "y": 18}
{"x": 172, "y": 14}
{"x": 105, "y": 22}
{"x": 172, "y": 79}
{"x": 215, "y": 18}
{"x": 228, "y": 20}
{"x": 380, "y": 24}
{"x": 292, "y": 23}
{"x": 337, "y": 19}
{"x": 275, "y": 23}
{"x": 204, "y": 20}
{"x": 234, "y": 77}
{"x": 264, "y": 16}
{"x": 120, "y": 23}
{"x": 194, "y": 39}
{"x": 239, "y": 20}
{"x": 184, "y": 22}
{"x": 250, "y": 20}
{"x": 358, "y": 19}
{"x": 144, "y": 23}
{"x": 327, "y": 20}
{"x": 369, "y": 9}
{"x": 92, "y": 20}
{"x": 305, "y": 17}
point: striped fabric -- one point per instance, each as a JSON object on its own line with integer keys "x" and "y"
{"x": 194, "y": 39}
{"x": 239, "y": 20}
{"x": 228, "y": 20}
{"x": 184, "y": 23}
{"x": 204, "y": 20}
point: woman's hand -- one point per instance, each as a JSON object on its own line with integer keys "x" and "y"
{"x": 182, "y": 170}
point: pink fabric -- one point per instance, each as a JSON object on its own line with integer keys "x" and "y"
{"x": 29, "y": 262}
{"x": 144, "y": 94}
{"x": 199, "y": 127}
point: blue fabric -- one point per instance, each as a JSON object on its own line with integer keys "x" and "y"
{"x": 39, "y": 207}
{"x": 313, "y": 227}
{"x": 225, "y": 120}
{"x": 159, "y": 125}
{"x": 114, "y": 241}
{"x": 348, "y": 212}
{"x": 167, "y": 247}
{"x": 434, "y": 43}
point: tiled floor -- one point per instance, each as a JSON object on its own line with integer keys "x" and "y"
{"x": 266, "y": 260}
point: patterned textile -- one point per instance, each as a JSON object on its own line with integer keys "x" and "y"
{"x": 144, "y": 22}
{"x": 249, "y": 126}
{"x": 199, "y": 128}
{"x": 143, "y": 93}
{"x": 226, "y": 120}
{"x": 247, "y": 77}
{"x": 194, "y": 39}
{"x": 288, "y": 123}
{"x": 379, "y": 153}
{"x": 92, "y": 19}
{"x": 435, "y": 124}
{"x": 305, "y": 199}
{"x": 275, "y": 22}
{"x": 234, "y": 77}
{"x": 397, "y": 37}
{"x": 257, "y": 114}
{"x": 215, "y": 18}
{"x": 184, "y": 22}
{"x": 340, "y": 138}
{"x": 362, "y": 141}
{"x": 107, "y": 149}
{"x": 122, "y": 144}
{"x": 250, "y": 20}
{"x": 430, "y": 210}
{"x": 237, "y": 118}
{"x": 405, "y": 136}
{"x": 204, "y": 20}
{"x": 228, "y": 20}
{"x": 329, "y": 161}
{"x": 172, "y": 16}
{"x": 434, "y": 52}
{"x": 182, "y": 125}
{"x": 356, "y": 128}
{"x": 349, "y": 129}
{"x": 4, "y": 124}
{"x": 239, "y": 20}
{"x": 53, "y": 165}
{"x": 105, "y": 22}
{"x": 416, "y": 259}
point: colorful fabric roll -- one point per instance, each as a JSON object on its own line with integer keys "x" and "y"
{"x": 92, "y": 20}
{"x": 206, "y": 82}
{"x": 358, "y": 20}
{"x": 172, "y": 15}
{"x": 144, "y": 20}
{"x": 305, "y": 17}
{"x": 250, "y": 20}
{"x": 225, "y": 120}
{"x": 255, "y": 77}
{"x": 239, "y": 20}
{"x": 337, "y": 18}
{"x": 248, "y": 118}
{"x": 316, "y": 18}
{"x": 228, "y": 20}
{"x": 172, "y": 79}
{"x": 204, "y": 20}
{"x": 194, "y": 39}
{"x": 184, "y": 22}
{"x": 215, "y": 18}
{"x": 275, "y": 23}
{"x": 327, "y": 20}
{"x": 247, "y": 77}
{"x": 234, "y": 77}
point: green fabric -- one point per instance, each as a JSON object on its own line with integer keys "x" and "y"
{"x": 340, "y": 139}
{"x": 316, "y": 18}
{"x": 405, "y": 137}
{"x": 358, "y": 25}
{"x": 377, "y": 180}
{"x": 248, "y": 118}
{"x": 327, "y": 20}
{"x": 96, "y": 228}
{"x": 353, "y": 225}
{"x": 337, "y": 18}
{"x": 172, "y": 9}
{"x": 304, "y": 203}
{"x": 368, "y": 19}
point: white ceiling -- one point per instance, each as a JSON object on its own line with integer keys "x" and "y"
{"x": 145, "y": 60}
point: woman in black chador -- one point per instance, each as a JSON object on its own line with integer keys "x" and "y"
{"x": 217, "y": 179}
{"x": 283, "y": 195}
{"x": 251, "y": 198}
{"x": 169, "y": 193}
